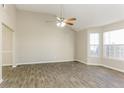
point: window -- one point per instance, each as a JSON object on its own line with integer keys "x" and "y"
{"x": 94, "y": 44}
{"x": 114, "y": 44}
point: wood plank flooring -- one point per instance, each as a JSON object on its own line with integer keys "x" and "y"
{"x": 61, "y": 75}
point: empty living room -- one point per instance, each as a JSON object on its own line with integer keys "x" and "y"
{"x": 61, "y": 45}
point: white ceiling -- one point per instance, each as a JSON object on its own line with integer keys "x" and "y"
{"x": 87, "y": 14}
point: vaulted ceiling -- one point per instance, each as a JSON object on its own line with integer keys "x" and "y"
{"x": 87, "y": 15}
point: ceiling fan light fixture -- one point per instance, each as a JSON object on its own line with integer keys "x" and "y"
{"x": 61, "y": 21}
{"x": 60, "y": 24}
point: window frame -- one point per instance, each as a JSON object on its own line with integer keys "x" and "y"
{"x": 89, "y": 45}
{"x": 104, "y": 50}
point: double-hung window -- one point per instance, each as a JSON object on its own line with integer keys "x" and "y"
{"x": 94, "y": 44}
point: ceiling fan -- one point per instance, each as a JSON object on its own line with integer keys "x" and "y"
{"x": 61, "y": 21}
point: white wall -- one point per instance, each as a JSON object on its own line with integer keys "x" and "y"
{"x": 38, "y": 41}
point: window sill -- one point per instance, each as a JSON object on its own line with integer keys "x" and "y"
{"x": 116, "y": 59}
{"x": 93, "y": 56}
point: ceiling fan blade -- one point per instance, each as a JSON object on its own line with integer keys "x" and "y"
{"x": 71, "y": 19}
{"x": 69, "y": 23}
{"x": 66, "y": 21}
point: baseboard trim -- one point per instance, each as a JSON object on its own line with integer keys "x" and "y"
{"x": 42, "y": 62}
{"x": 1, "y": 80}
{"x": 87, "y": 63}
{"x": 81, "y": 62}
{"x": 14, "y": 66}
{"x": 7, "y": 65}
{"x": 120, "y": 70}
{"x": 93, "y": 64}
{"x": 102, "y": 65}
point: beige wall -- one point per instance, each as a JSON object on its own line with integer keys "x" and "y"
{"x": 38, "y": 41}
{"x": 81, "y": 46}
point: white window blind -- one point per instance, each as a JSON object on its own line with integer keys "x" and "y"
{"x": 114, "y": 44}
{"x": 94, "y": 44}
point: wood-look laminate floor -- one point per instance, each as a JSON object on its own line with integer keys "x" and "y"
{"x": 61, "y": 75}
